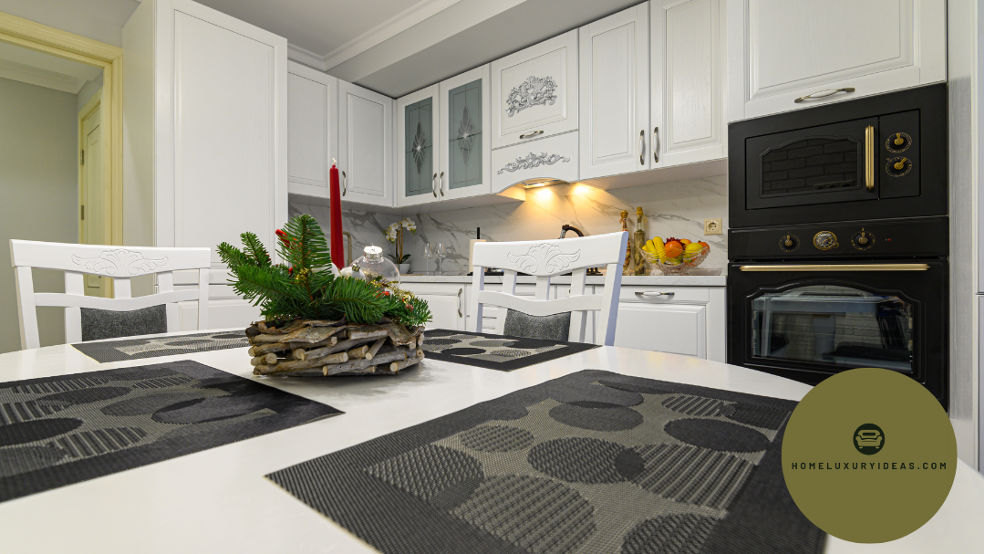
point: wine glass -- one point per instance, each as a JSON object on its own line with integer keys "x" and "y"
{"x": 428, "y": 254}
{"x": 440, "y": 252}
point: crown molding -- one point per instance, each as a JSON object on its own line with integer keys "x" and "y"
{"x": 306, "y": 57}
{"x": 386, "y": 30}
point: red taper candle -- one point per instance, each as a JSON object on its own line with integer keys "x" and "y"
{"x": 335, "y": 196}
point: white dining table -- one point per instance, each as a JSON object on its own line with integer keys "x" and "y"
{"x": 218, "y": 500}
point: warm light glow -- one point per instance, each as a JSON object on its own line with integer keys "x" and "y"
{"x": 580, "y": 189}
{"x": 543, "y": 195}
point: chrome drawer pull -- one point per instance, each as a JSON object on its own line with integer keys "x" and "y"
{"x": 822, "y": 94}
{"x": 644, "y": 294}
{"x": 531, "y": 134}
{"x": 655, "y": 145}
{"x": 642, "y": 147}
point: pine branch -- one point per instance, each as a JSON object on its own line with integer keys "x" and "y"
{"x": 255, "y": 250}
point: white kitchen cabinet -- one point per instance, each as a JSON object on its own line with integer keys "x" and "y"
{"x": 446, "y": 301}
{"x": 535, "y": 91}
{"x": 312, "y": 129}
{"x": 688, "y": 81}
{"x": 545, "y": 159}
{"x": 417, "y": 154}
{"x": 614, "y": 94}
{"x": 365, "y": 145}
{"x": 206, "y": 120}
{"x": 790, "y": 54}
{"x": 680, "y": 320}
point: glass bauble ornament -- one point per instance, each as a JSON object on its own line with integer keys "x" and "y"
{"x": 373, "y": 266}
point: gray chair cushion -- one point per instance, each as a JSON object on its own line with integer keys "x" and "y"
{"x": 549, "y": 327}
{"x": 110, "y": 324}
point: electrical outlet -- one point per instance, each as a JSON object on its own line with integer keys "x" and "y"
{"x": 712, "y": 226}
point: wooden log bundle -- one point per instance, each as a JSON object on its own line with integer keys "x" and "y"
{"x": 327, "y": 348}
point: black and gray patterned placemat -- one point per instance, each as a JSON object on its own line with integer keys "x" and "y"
{"x": 56, "y": 431}
{"x": 151, "y": 347}
{"x": 590, "y": 462}
{"x": 495, "y": 351}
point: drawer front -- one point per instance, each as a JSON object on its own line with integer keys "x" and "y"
{"x": 534, "y": 91}
{"x": 674, "y": 328}
{"x": 665, "y": 295}
{"x": 549, "y": 158}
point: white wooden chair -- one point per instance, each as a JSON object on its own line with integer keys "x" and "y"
{"x": 545, "y": 259}
{"x": 121, "y": 263}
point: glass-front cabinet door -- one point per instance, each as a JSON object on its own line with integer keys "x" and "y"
{"x": 465, "y": 164}
{"x": 418, "y": 130}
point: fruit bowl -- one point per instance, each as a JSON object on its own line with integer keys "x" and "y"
{"x": 675, "y": 256}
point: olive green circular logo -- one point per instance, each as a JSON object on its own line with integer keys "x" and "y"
{"x": 869, "y": 438}
{"x": 869, "y": 455}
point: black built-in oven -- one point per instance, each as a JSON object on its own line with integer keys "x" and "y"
{"x": 873, "y": 158}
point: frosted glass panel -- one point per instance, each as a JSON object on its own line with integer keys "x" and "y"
{"x": 419, "y": 140}
{"x": 465, "y": 135}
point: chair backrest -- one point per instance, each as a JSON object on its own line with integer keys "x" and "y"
{"x": 545, "y": 259}
{"x": 121, "y": 263}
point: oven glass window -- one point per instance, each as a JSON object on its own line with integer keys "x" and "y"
{"x": 833, "y": 325}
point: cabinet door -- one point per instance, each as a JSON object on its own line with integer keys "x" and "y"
{"x": 790, "y": 54}
{"x": 365, "y": 130}
{"x": 312, "y": 123}
{"x": 676, "y": 328}
{"x": 220, "y": 142}
{"x": 446, "y": 302}
{"x": 688, "y": 82}
{"x": 464, "y": 146}
{"x": 418, "y": 137}
{"x": 614, "y": 96}
{"x": 534, "y": 91}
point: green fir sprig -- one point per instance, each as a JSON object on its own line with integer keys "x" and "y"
{"x": 305, "y": 286}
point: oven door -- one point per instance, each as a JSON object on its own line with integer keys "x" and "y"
{"x": 809, "y": 321}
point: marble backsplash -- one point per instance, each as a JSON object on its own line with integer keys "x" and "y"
{"x": 672, "y": 209}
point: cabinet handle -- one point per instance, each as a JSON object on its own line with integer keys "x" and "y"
{"x": 434, "y": 185}
{"x": 460, "y": 290}
{"x": 531, "y": 134}
{"x": 823, "y": 94}
{"x": 440, "y": 183}
{"x": 656, "y": 145}
{"x": 344, "y": 184}
{"x": 644, "y": 294}
{"x": 869, "y": 157}
{"x": 642, "y": 147}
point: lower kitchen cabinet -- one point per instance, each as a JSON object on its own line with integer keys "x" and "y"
{"x": 680, "y": 320}
{"x": 446, "y": 301}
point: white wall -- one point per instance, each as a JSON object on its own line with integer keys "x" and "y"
{"x": 38, "y": 179}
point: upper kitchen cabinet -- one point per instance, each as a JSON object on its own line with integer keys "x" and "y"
{"x": 418, "y": 124}
{"x": 464, "y": 142}
{"x": 365, "y": 145}
{"x": 790, "y": 54}
{"x": 312, "y": 129}
{"x": 614, "y": 94}
{"x": 688, "y": 78}
{"x": 534, "y": 91}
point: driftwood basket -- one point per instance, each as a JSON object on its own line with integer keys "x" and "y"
{"x": 327, "y": 348}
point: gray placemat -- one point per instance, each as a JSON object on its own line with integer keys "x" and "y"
{"x": 491, "y": 351}
{"x": 56, "y": 431}
{"x": 150, "y": 347}
{"x": 591, "y": 462}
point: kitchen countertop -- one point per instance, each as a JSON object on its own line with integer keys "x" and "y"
{"x": 707, "y": 278}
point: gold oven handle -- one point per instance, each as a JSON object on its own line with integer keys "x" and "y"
{"x": 836, "y": 267}
{"x": 869, "y": 157}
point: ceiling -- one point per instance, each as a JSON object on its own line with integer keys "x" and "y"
{"x": 98, "y": 19}
{"x": 45, "y": 70}
{"x": 398, "y": 46}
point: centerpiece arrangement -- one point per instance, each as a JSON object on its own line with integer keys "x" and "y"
{"x": 317, "y": 322}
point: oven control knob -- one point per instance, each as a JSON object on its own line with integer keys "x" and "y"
{"x": 898, "y": 142}
{"x": 789, "y": 242}
{"x": 899, "y": 166}
{"x": 825, "y": 240}
{"x": 863, "y": 240}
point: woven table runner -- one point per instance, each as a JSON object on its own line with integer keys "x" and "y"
{"x": 56, "y": 431}
{"x": 151, "y": 347}
{"x": 590, "y": 462}
{"x": 495, "y": 351}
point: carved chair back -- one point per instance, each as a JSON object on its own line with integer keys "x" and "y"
{"x": 545, "y": 259}
{"x": 121, "y": 263}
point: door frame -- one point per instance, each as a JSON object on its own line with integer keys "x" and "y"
{"x": 109, "y": 58}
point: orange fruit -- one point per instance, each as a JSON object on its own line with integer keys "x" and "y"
{"x": 684, "y": 241}
{"x": 673, "y": 249}
{"x": 704, "y": 244}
